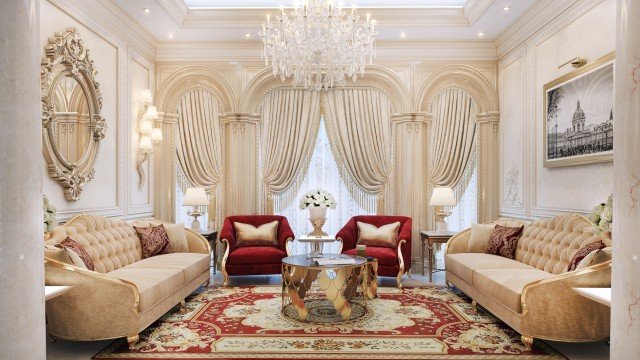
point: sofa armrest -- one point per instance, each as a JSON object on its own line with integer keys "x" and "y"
{"x": 285, "y": 235}
{"x": 347, "y": 236}
{"x": 551, "y": 306}
{"x": 405, "y": 235}
{"x": 197, "y": 243}
{"x": 228, "y": 234}
{"x": 459, "y": 243}
{"x": 94, "y": 298}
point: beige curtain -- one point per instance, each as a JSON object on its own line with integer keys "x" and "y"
{"x": 290, "y": 120}
{"x": 359, "y": 129}
{"x": 453, "y": 139}
{"x": 199, "y": 143}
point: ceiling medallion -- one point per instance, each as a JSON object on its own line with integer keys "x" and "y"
{"x": 318, "y": 45}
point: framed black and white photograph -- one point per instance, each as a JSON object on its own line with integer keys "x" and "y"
{"x": 578, "y": 116}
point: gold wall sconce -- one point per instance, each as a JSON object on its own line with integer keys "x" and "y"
{"x": 576, "y": 62}
{"x": 150, "y": 132}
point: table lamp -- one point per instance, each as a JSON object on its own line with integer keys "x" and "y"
{"x": 442, "y": 196}
{"x": 197, "y": 198}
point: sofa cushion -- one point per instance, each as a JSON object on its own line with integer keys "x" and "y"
{"x": 154, "y": 284}
{"x": 191, "y": 264}
{"x": 583, "y": 252}
{"x": 154, "y": 240}
{"x": 386, "y": 256}
{"x": 595, "y": 257}
{"x": 262, "y": 235}
{"x": 464, "y": 264}
{"x": 506, "y": 285}
{"x": 480, "y": 236}
{"x": 383, "y": 236}
{"x": 256, "y": 255}
{"x": 77, "y": 253}
{"x": 503, "y": 241}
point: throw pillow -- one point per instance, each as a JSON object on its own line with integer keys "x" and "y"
{"x": 263, "y": 235}
{"x": 479, "y": 239}
{"x": 583, "y": 253}
{"x": 503, "y": 241}
{"x": 383, "y": 236}
{"x": 154, "y": 240}
{"x": 177, "y": 238}
{"x": 77, "y": 254}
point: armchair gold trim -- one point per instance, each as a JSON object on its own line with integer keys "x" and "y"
{"x": 401, "y": 260}
{"x": 223, "y": 262}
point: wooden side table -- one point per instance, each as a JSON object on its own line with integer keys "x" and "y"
{"x": 432, "y": 237}
{"x": 212, "y": 238}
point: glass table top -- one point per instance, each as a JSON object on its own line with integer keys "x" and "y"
{"x": 307, "y": 261}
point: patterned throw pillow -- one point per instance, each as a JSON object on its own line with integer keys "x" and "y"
{"x": 584, "y": 252}
{"x": 263, "y": 235}
{"x": 503, "y": 241}
{"x": 383, "y": 236}
{"x": 154, "y": 240}
{"x": 74, "y": 248}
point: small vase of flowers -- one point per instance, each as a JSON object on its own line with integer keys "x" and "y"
{"x": 49, "y": 217}
{"x": 602, "y": 215}
{"x": 317, "y": 201}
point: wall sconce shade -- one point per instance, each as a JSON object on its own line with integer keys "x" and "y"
{"x": 146, "y": 126}
{"x": 195, "y": 197}
{"x": 156, "y": 134}
{"x": 151, "y": 113}
{"x": 145, "y": 143}
{"x": 145, "y": 96}
{"x": 442, "y": 196}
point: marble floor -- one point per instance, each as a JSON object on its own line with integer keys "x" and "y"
{"x": 72, "y": 350}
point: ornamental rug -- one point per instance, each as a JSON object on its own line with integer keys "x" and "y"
{"x": 247, "y": 323}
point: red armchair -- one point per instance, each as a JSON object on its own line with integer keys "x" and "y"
{"x": 253, "y": 260}
{"x": 391, "y": 262}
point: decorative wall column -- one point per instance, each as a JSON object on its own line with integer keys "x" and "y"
{"x": 410, "y": 140}
{"x": 488, "y": 165}
{"x": 22, "y": 323}
{"x": 164, "y": 167}
{"x": 625, "y": 312}
{"x": 242, "y": 171}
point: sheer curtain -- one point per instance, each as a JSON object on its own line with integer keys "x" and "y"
{"x": 323, "y": 173}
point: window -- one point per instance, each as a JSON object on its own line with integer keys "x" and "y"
{"x": 322, "y": 173}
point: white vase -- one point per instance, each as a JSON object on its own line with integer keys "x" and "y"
{"x": 317, "y": 212}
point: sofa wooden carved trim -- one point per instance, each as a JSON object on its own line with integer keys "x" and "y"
{"x": 126, "y": 293}
{"x": 547, "y": 307}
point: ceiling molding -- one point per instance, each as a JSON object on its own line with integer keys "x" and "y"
{"x": 537, "y": 17}
{"x": 474, "y": 9}
{"x": 248, "y": 18}
{"x": 405, "y": 51}
{"x": 176, "y": 9}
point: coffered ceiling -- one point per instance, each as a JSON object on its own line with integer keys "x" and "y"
{"x": 401, "y": 20}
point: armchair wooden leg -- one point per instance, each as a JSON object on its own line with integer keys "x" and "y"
{"x": 225, "y": 276}
{"x": 183, "y": 308}
{"x": 474, "y": 304}
{"x": 527, "y": 342}
{"x": 399, "y": 278}
{"x": 132, "y": 340}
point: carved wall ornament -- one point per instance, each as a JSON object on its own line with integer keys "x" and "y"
{"x": 70, "y": 98}
{"x": 511, "y": 188}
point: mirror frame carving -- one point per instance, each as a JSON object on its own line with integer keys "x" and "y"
{"x": 68, "y": 50}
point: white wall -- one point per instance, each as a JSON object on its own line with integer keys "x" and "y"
{"x": 578, "y": 28}
{"x": 122, "y": 73}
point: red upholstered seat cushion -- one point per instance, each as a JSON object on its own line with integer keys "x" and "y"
{"x": 256, "y": 255}
{"x": 386, "y": 256}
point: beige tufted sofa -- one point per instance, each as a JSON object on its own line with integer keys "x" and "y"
{"x": 533, "y": 293}
{"x": 125, "y": 293}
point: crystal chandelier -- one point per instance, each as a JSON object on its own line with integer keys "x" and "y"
{"x": 319, "y": 45}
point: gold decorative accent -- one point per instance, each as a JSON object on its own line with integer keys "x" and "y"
{"x": 576, "y": 62}
{"x": 132, "y": 340}
{"x": 183, "y": 308}
{"x": 317, "y": 227}
{"x": 223, "y": 263}
{"x": 401, "y": 260}
{"x": 527, "y": 342}
{"x": 287, "y": 246}
{"x": 474, "y": 305}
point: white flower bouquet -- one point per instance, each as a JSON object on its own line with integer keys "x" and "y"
{"x": 50, "y": 213}
{"x": 318, "y": 198}
{"x": 602, "y": 215}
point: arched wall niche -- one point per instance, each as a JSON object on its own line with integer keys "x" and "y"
{"x": 375, "y": 76}
{"x": 464, "y": 77}
{"x": 190, "y": 77}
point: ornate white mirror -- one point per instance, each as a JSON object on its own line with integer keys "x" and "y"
{"x": 71, "y": 120}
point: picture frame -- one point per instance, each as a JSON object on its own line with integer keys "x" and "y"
{"x": 578, "y": 115}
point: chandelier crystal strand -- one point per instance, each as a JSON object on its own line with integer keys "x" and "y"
{"x": 318, "y": 45}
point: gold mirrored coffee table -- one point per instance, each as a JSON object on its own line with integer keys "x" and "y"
{"x": 328, "y": 293}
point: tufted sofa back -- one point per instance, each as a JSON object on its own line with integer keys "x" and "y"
{"x": 111, "y": 243}
{"x": 549, "y": 244}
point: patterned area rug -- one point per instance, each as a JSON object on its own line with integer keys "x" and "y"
{"x": 247, "y": 323}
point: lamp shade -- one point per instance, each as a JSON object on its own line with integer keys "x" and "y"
{"x": 145, "y": 143}
{"x": 156, "y": 134}
{"x": 145, "y": 96}
{"x": 442, "y": 196}
{"x": 146, "y": 126}
{"x": 151, "y": 113}
{"x": 195, "y": 197}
